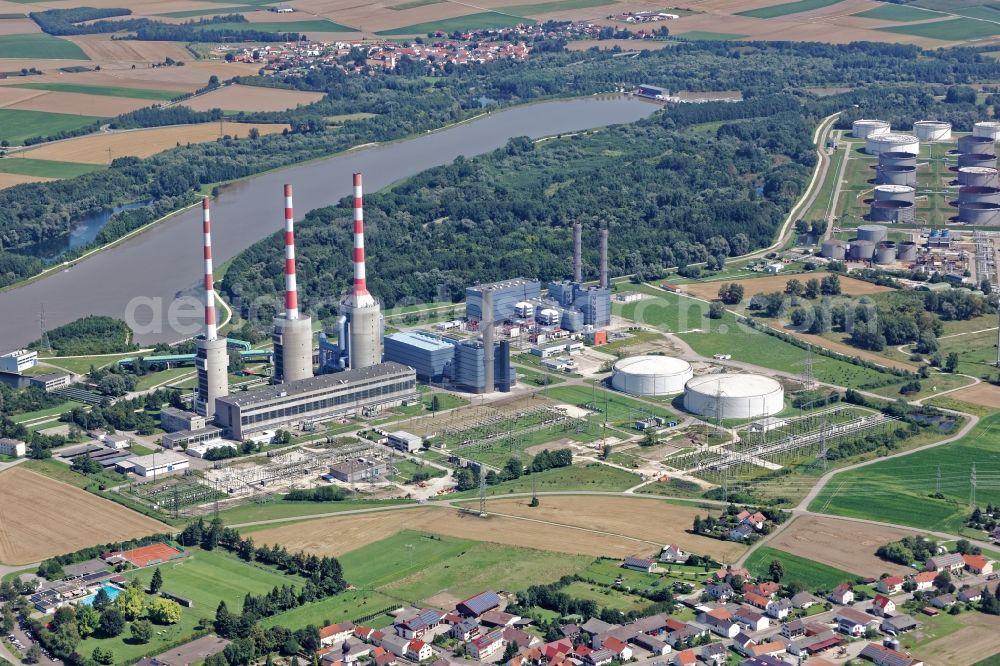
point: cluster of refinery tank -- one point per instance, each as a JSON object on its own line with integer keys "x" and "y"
{"x": 896, "y": 174}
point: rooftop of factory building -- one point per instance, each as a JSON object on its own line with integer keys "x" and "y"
{"x": 315, "y": 384}
{"x": 426, "y": 341}
{"x": 503, "y": 284}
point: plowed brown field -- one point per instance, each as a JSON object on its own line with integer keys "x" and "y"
{"x": 251, "y": 98}
{"x": 12, "y": 179}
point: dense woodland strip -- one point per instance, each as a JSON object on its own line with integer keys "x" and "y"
{"x": 91, "y": 21}
{"x": 770, "y": 76}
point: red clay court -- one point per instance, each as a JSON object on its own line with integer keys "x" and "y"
{"x": 153, "y": 554}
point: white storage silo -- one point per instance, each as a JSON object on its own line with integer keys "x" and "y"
{"x": 736, "y": 396}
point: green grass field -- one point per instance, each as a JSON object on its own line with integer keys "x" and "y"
{"x": 348, "y": 606}
{"x": 898, "y": 491}
{"x": 253, "y": 512}
{"x": 593, "y": 476}
{"x": 990, "y": 12}
{"x": 205, "y": 577}
{"x": 477, "y": 21}
{"x": 554, "y": 6}
{"x": 45, "y": 168}
{"x": 17, "y": 125}
{"x": 953, "y": 30}
{"x": 39, "y": 46}
{"x": 618, "y": 408}
{"x": 414, "y": 5}
{"x": 605, "y": 597}
{"x": 399, "y": 556}
{"x": 706, "y": 36}
{"x": 813, "y": 576}
{"x": 301, "y": 27}
{"x": 104, "y": 91}
{"x": 784, "y": 9}
{"x": 897, "y": 13}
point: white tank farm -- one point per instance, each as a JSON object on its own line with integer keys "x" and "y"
{"x": 738, "y": 396}
{"x": 987, "y": 128}
{"x": 651, "y": 375}
{"x": 979, "y": 176}
{"x": 862, "y": 129}
{"x": 932, "y": 130}
{"x": 896, "y": 143}
{"x": 894, "y": 193}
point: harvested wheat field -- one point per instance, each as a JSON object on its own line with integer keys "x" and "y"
{"x": 23, "y": 26}
{"x": 12, "y": 179}
{"x": 969, "y": 645}
{"x": 43, "y": 517}
{"x": 79, "y": 104}
{"x": 10, "y": 96}
{"x": 984, "y": 394}
{"x": 710, "y": 290}
{"x": 93, "y": 149}
{"x": 251, "y": 98}
{"x": 843, "y": 544}
{"x": 615, "y": 527}
{"x": 101, "y": 48}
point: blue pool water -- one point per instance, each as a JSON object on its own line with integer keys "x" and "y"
{"x": 111, "y": 590}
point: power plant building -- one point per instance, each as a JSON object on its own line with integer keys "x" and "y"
{"x": 291, "y": 334}
{"x": 211, "y": 354}
{"x": 468, "y": 370}
{"x": 506, "y": 295}
{"x": 315, "y": 399}
{"x": 429, "y": 355}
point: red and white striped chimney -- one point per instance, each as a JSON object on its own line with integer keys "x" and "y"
{"x": 360, "y": 286}
{"x": 291, "y": 292}
{"x": 210, "y": 331}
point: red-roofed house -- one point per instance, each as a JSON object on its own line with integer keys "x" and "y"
{"x": 883, "y": 606}
{"x": 383, "y": 657}
{"x": 757, "y": 520}
{"x": 335, "y": 633}
{"x": 363, "y": 633}
{"x": 773, "y": 648}
{"x": 622, "y": 651}
{"x": 417, "y": 650}
{"x": 767, "y": 588}
{"x": 924, "y": 580}
{"x": 756, "y": 600}
{"x": 978, "y": 564}
{"x": 686, "y": 658}
{"x": 891, "y": 584}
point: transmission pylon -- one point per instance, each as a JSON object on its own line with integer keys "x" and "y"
{"x": 44, "y": 337}
{"x": 972, "y": 487}
{"x": 808, "y": 378}
{"x": 482, "y": 492}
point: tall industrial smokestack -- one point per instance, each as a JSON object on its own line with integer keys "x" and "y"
{"x": 577, "y": 252}
{"x": 211, "y": 333}
{"x": 291, "y": 335}
{"x": 291, "y": 292}
{"x": 211, "y": 357}
{"x": 603, "y": 251}
{"x": 362, "y": 311}
{"x": 489, "y": 381}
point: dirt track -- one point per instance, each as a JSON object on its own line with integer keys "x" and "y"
{"x": 43, "y": 517}
{"x": 842, "y": 544}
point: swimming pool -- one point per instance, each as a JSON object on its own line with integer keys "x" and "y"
{"x": 111, "y": 590}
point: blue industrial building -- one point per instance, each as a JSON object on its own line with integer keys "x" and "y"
{"x": 467, "y": 370}
{"x": 426, "y": 353}
{"x": 593, "y": 303}
{"x": 506, "y": 295}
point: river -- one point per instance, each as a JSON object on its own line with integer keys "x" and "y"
{"x": 145, "y": 279}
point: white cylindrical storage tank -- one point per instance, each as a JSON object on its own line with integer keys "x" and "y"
{"x": 895, "y": 158}
{"x": 861, "y": 250}
{"x": 862, "y": 129}
{"x": 975, "y": 144}
{"x": 899, "y": 212}
{"x": 978, "y": 176}
{"x": 897, "y": 143}
{"x": 738, "y": 396}
{"x": 975, "y": 194}
{"x": 651, "y": 375}
{"x": 932, "y": 130}
{"x": 985, "y": 160}
{"x": 894, "y": 193}
{"x": 906, "y": 251}
{"x": 833, "y": 249}
{"x": 988, "y": 128}
{"x": 896, "y": 175}
{"x": 885, "y": 253}
{"x": 979, "y": 213}
{"x": 872, "y": 232}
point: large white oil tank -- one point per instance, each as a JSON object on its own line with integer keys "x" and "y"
{"x": 975, "y": 144}
{"x": 894, "y": 193}
{"x": 737, "y": 396}
{"x": 651, "y": 375}
{"x": 979, "y": 176}
{"x": 987, "y": 128}
{"x": 897, "y": 143}
{"x": 862, "y": 129}
{"x": 932, "y": 130}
